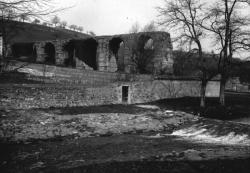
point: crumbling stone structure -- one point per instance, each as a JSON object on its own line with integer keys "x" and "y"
{"x": 123, "y": 53}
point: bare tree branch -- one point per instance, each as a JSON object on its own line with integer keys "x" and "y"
{"x": 186, "y": 16}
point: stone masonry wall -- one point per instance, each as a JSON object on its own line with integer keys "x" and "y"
{"x": 147, "y": 91}
{"x": 44, "y": 96}
{"x": 162, "y": 60}
{"x": 60, "y": 55}
{"x": 55, "y": 95}
{"x": 234, "y": 84}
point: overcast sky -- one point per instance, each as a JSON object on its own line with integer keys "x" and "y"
{"x": 106, "y": 17}
{"x": 109, "y": 17}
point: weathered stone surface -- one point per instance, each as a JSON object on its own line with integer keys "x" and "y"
{"x": 51, "y": 95}
{"x": 107, "y": 60}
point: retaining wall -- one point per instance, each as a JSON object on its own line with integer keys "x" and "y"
{"x": 50, "y": 95}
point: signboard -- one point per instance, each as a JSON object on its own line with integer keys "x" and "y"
{"x": 1, "y": 46}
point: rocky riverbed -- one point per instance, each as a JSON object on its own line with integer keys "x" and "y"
{"x": 135, "y": 138}
{"x": 27, "y": 125}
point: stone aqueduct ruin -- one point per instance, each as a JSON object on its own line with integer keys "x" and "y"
{"x": 103, "y": 53}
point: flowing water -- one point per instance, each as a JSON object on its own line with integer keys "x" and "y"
{"x": 206, "y": 136}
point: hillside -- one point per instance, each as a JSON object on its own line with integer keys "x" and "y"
{"x": 186, "y": 64}
{"x": 27, "y": 32}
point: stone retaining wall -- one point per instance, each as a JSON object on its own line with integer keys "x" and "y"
{"x": 162, "y": 89}
{"x": 234, "y": 84}
{"x": 44, "y": 96}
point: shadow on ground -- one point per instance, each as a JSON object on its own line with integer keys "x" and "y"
{"x": 237, "y": 106}
{"x": 128, "y": 109}
{"x": 123, "y": 153}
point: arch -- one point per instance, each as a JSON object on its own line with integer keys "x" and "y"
{"x": 144, "y": 54}
{"x": 114, "y": 45}
{"x": 84, "y": 50}
{"x": 145, "y": 42}
{"x": 114, "y": 48}
{"x": 149, "y": 44}
{"x": 24, "y": 51}
{"x": 68, "y": 49}
{"x": 87, "y": 52}
{"x": 50, "y": 52}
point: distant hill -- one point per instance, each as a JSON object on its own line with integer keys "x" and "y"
{"x": 186, "y": 63}
{"x": 28, "y": 32}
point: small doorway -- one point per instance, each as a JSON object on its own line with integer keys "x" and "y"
{"x": 125, "y": 92}
{"x": 49, "y": 50}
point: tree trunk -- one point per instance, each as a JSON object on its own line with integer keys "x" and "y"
{"x": 73, "y": 63}
{"x": 203, "y": 94}
{"x": 222, "y": 91}
{"x": 4, "y": 49}
{"x": 203, "y": 80}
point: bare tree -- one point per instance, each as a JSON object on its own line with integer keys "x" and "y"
{"x": 80, "y": 28}
{"x": 73, "y": 27}
{"x": 36, "y": 21}
{"x": 183, "y": 17}
{"x": 63, "y": 24}
{"x": 55, "y": 20}
{"x": 231, "y": 29}
{"x": 24, "y": 17}
{"x": 45, "y": 23}
{"x": 135, "y": 28}
{"x": 150, "y": 27}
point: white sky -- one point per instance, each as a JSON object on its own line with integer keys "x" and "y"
{"x": 107, "y": 17}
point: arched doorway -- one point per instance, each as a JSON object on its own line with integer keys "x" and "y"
{"x": 49, "y": 50}
{"x": 115, "y": 48}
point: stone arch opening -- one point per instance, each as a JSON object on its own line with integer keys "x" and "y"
{"x": 24, "y": 51}
{"x": 50, "y": 51}
{"x": 88, "y": 52}
{"x": 69, "y": 50}
{"x": 144, "y": 54}
{"x": 114, "y": 45}
{"x": 114, "y": 48}
{"x": 149, "y": 44}
{"x": 145, "y": 42}
{"x": 81, "y": 53}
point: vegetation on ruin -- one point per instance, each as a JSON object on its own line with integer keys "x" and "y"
{"x": 142, "y": 55}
